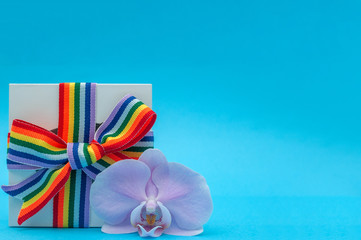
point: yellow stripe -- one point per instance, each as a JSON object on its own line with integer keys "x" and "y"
{"x": 41, "y": 193}
{"x": 132, "y": 154}
{"x": 130, "y": 123}
{"x": 92, "y": 154}
{"x": 66, "y": 204}
{"x": 108, "y": 160}
{"x": 71, "y": 111}
{"x": 35, "y": 141}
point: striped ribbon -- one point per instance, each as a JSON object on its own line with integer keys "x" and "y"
{"x": 68, "y": 162}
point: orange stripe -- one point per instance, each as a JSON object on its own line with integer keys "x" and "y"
{"x": 97, "y": 152}
{"x": 117, "y": 158}
{"x": 66, "y": 112}
{"x": 111, "y": 156}
{"x": 60, "y": 207}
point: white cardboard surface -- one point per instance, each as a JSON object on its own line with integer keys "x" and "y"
{"x": 38, "y": 104}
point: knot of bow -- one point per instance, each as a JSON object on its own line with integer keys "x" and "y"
{"x": 81, "y": 155}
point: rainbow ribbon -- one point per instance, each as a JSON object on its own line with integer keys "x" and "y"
{"x": 68, "y": 162}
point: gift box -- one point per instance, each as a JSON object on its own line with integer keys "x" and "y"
{"x": 42, "y": 105}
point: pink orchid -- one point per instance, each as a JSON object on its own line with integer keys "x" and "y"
{"x": 151, "y": 196}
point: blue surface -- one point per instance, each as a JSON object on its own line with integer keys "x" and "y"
{"x": 261, "y": 97}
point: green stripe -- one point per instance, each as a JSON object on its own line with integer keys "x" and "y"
{"x": 35, "y": 147}
{"x": 39, "y": 189}
{"x": 125, "y": 122}
{"x": 86, "y": 154}
{"x": 71, "y": 198}
{"x": 103, "y": 163}
{"x": 136, "y": 149}
{"x": 76, "y": 112}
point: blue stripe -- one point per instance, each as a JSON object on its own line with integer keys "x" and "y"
{"x": 147, "y": 139}
{"x": 93, "y": 169}
{"x": 35, "y": 158}
{"x": 8, "y": 161}
{"x": 76, "y": 156}
{"x": 82, "y": 200}
{"x": 28, "y": 185}
{"x": 77, "y": 197}
{"x": 87, "y": 112}
{"x": 116, "y": 117}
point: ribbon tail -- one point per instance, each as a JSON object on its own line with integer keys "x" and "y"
{"x": 21, "y": 189}
{"x": 38, "y": 190}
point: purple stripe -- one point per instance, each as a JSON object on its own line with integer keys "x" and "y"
{"x": 92, "y": 112}
{"x": 89, "y": 172}
{"x": 86, "y": 204}
{"x": 82, "y": 200}
{"x": 73, "y": 157}
{"x": 87, "y": 113}
{"x": 34, "y": 163}
{"x": 14, "y": 165}
{"x": 21, "y": 167}
{"x": 16, "y": 189}
{"x": 107, "y": 122}
{"x": 69, "y": 151}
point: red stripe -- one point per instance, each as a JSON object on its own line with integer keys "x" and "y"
{"x": 117, "y": 156}
{"x": 60, "y": 133}
{"x": 55, "y": 210}
{"x": 29, "y": 127}
{"x": 61, "y": 110}
{"x": 98, "y": 149}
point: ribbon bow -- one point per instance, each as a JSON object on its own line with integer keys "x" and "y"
{"x": 33, "y": 147}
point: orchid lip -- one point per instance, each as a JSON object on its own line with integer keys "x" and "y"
{"x": 151, "y": 233}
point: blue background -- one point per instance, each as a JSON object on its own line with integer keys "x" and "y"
{"x": 261, "y": 97}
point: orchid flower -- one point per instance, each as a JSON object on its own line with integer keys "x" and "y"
{"x": 151, "y": 196}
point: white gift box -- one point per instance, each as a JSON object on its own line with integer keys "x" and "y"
{"x": 39, "y": 104}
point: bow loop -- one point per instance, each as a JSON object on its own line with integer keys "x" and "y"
{"x": 35, "y": 146}
{"x": 81, "y": 155}
{"x": 127, "y": 124}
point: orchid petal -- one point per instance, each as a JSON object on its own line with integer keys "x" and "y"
{"x": 185, "y": 193}
{"x": 175, "y": 230}
{"x": 118, "y": 190}
{"x": 166, "y": 216}
{"x": 135, "y": 216}
{"x": 124, "y": 227}
{"x": 153, "y": 158}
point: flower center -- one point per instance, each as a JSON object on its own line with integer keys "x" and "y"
{"x": 150, "y": 219}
